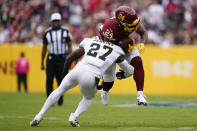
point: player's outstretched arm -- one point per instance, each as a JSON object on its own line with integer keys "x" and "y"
{"x": 73, "y": 56}
{"x": 143, "y": 33}
{"x": 125, "y": 66}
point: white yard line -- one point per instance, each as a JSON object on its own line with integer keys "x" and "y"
{"x": 22, "y": 117}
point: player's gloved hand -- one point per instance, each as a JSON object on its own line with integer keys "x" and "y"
{"x": 120, "y": 74}
{"x": 99, "y": 87}
{"x": 141, "y": 48}
{"x": 131, "y": 46}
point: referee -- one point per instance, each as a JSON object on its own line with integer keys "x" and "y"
{"x": 57, "y": 38}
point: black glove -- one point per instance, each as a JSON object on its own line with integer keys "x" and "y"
{"x": 120, "y": 74}
{"x": 99, "y": 87}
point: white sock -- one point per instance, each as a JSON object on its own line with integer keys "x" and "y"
{"x": 83, "y": 106}
{"x": 139, "y": 93}
{"x": 51, "y": 100}
{"x": 105, "y": 91}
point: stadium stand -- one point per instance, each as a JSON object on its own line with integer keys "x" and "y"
{"x": 24, "y": 21}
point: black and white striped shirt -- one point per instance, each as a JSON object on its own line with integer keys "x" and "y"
{"x": 56, "y": 39}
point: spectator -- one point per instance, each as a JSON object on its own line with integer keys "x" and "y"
{"x": 194, "y": 23}
{"x": 179, "y": 38}
{"x": 22, "y": 69}
{"x": 4, "y": 34}
{"x": 26, "y": 20}
{"x": 156, "y": 12}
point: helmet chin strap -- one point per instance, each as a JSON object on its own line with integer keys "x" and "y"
{"x": 133, "y": 30}
{"x": 119, "y": 24}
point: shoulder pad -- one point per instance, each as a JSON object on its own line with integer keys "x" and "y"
{"x": 119, "y": 50}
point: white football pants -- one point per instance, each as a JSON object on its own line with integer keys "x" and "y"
{"x": 78, "y": 75}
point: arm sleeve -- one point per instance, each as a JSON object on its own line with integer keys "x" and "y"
{"x": 129, "y": 70}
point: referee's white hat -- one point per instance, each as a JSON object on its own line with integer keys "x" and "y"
{"x": 56, "y": 16}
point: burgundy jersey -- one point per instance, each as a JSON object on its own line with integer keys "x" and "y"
{"x": 112, "y": 31}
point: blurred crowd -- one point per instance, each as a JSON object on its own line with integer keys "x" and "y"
{"x": 168, "y": 22}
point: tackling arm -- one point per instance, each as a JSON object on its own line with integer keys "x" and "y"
{"x": 127, "y": 68}
{"x": 73, "y": 56}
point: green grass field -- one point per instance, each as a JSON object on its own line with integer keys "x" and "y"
{"x": 17, "y": 110}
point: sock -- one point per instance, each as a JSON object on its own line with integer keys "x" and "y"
{"x": 136, "y": 62}
{"x": 139, "y": 93}
{"x": 83, "y": 106}
{"x": 107, "y": 85}
{"x": 51, "y": 100}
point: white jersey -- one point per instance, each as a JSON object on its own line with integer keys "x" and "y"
{"x": 98, "y": 58}
{"x": 99, "y": 55}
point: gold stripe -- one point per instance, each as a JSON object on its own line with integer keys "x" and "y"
{"x": 135, "y": 22}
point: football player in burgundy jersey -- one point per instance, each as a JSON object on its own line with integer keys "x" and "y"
{"x": 116, "y": 29}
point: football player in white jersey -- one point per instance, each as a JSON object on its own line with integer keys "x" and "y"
{"x": 98, "y": 57}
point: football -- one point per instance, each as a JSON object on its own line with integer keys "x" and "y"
{"x": 124, "y": 43}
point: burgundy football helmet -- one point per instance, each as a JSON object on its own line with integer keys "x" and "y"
{"x": 127, "y": 18}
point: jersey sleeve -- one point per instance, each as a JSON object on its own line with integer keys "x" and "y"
{"x": 67, "y": 34}
{"x": 85, "y": 43}
{"x": 119, "y": 50}
{"x": 112, "y": 31}
{"x": 129, "y": 70}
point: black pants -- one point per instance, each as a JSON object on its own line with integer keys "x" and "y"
{"x": 22, "y": 78}
{"x": 55, "y": 64}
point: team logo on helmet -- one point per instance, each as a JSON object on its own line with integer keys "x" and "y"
{"x": 121, "y": 16}
{"x": 127, "y": 18}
